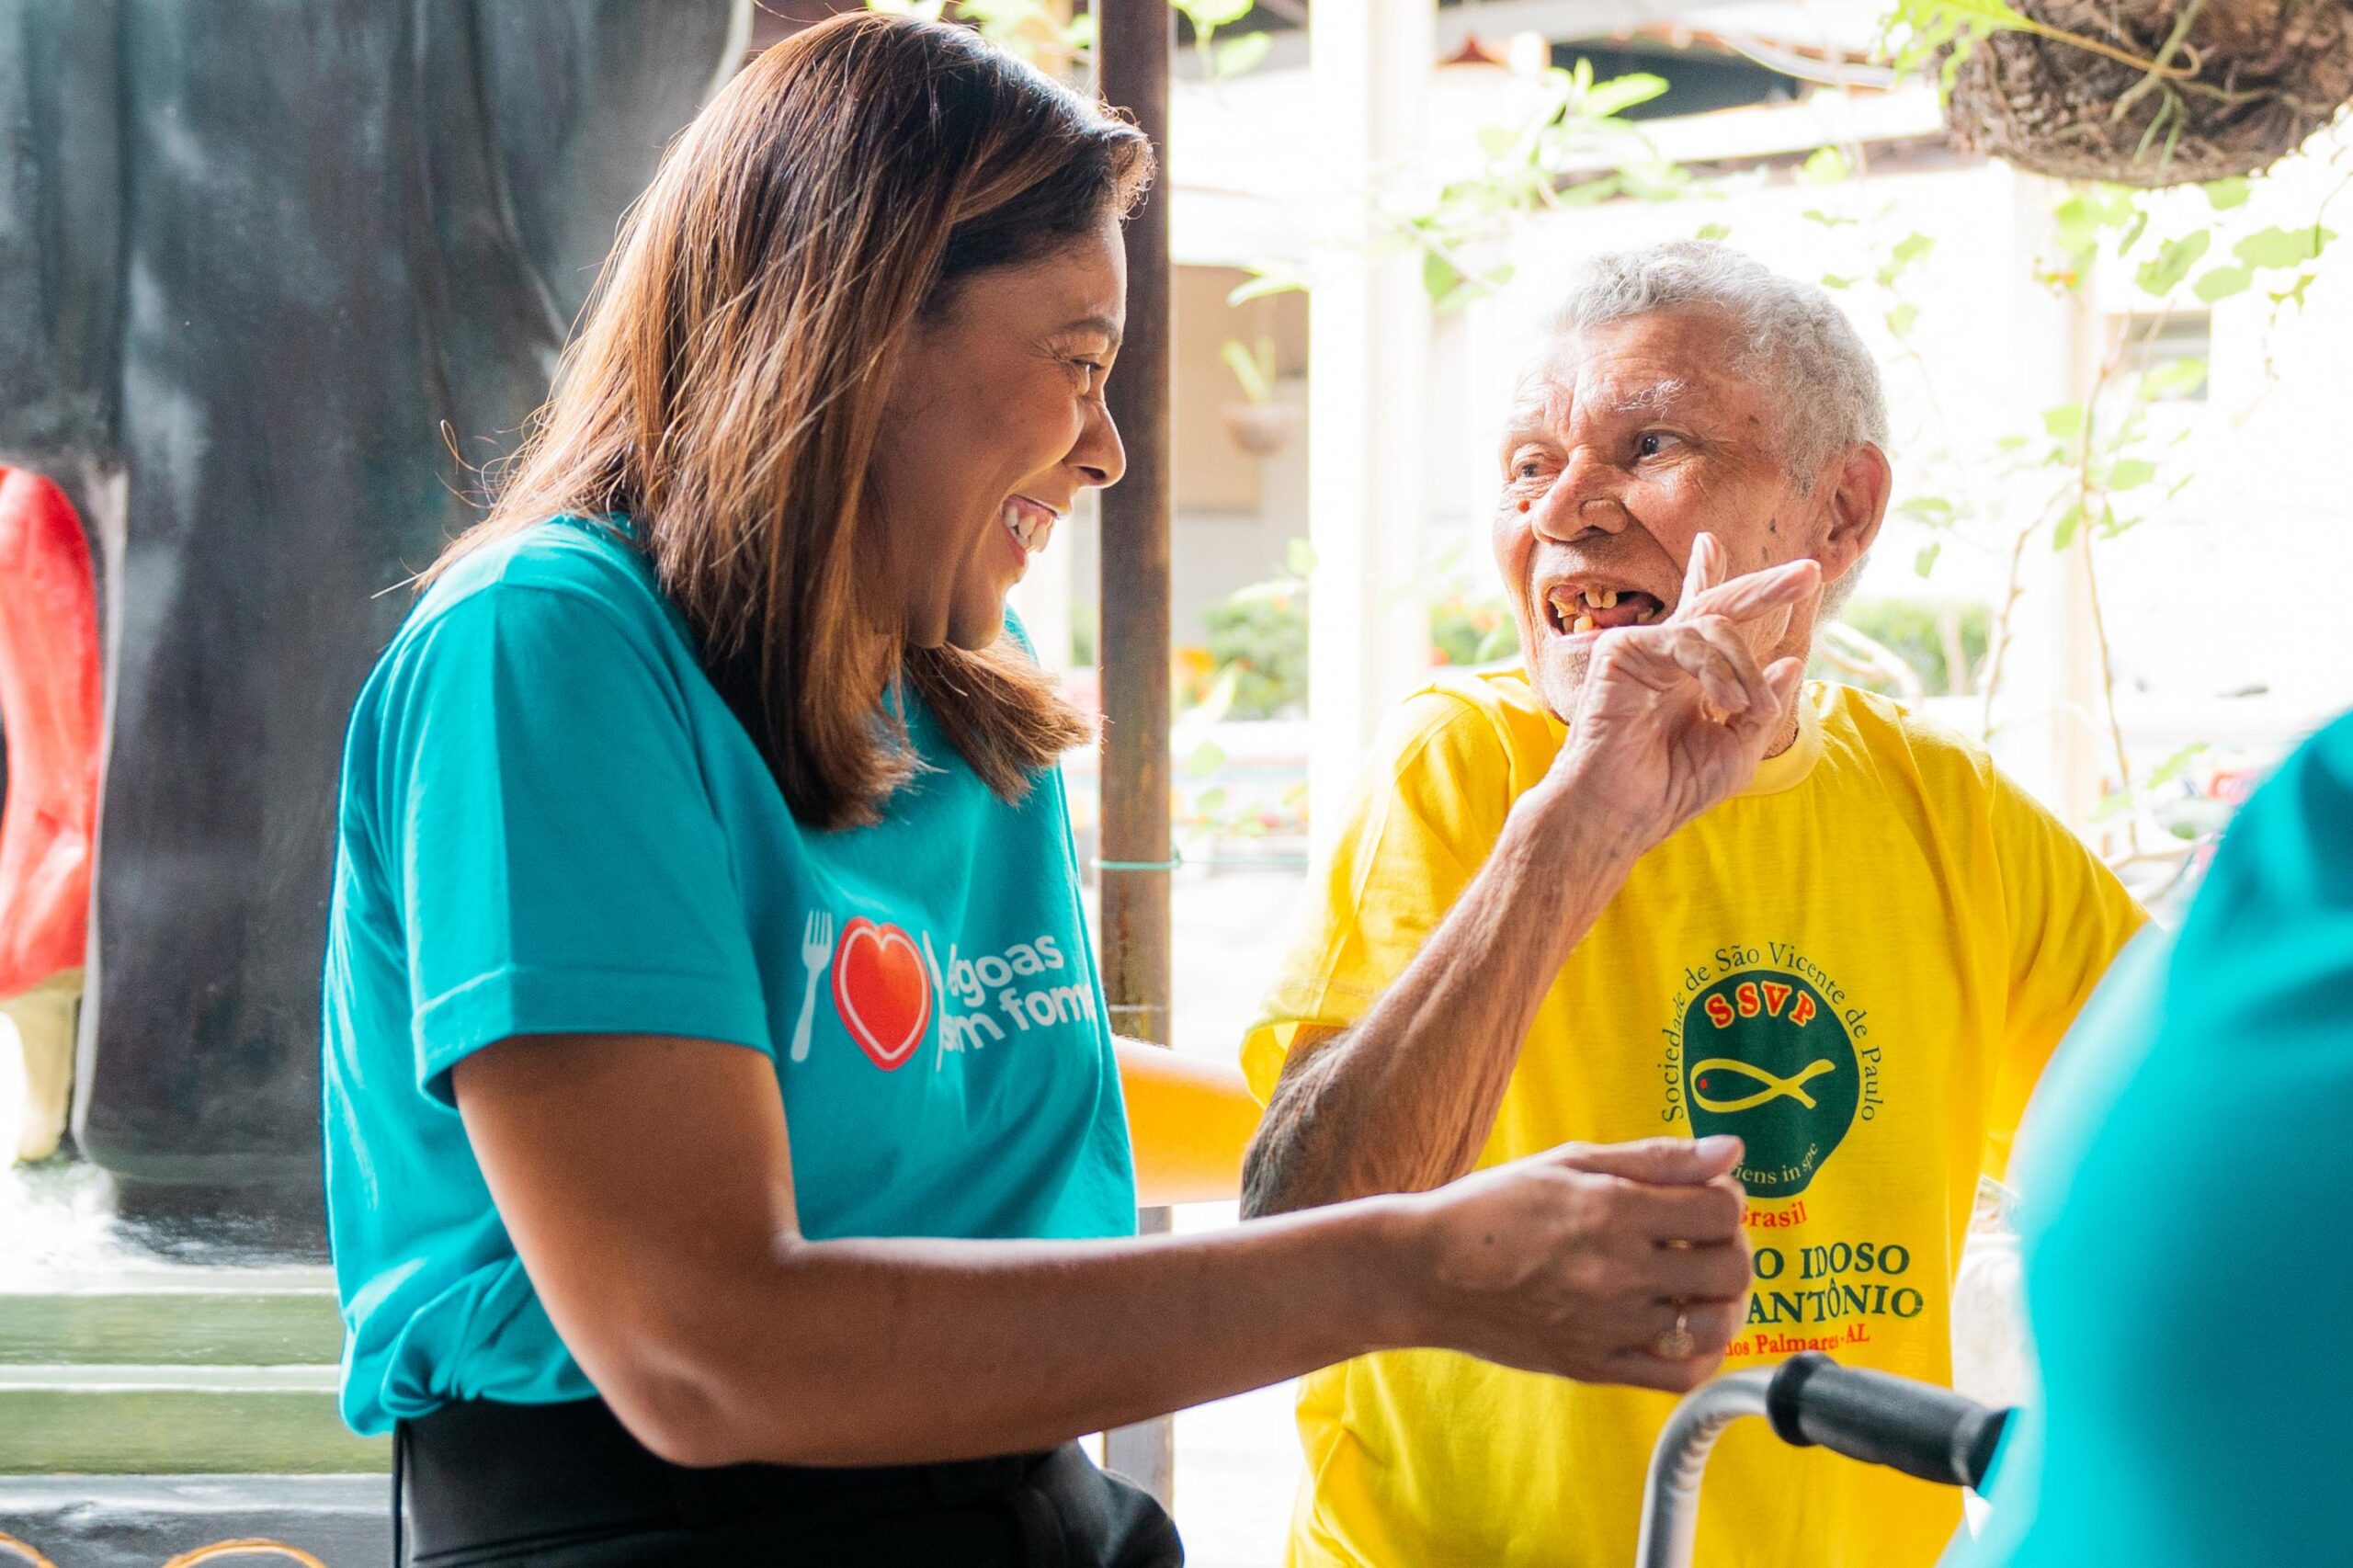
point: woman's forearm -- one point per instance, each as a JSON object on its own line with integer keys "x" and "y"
{"x": 1404, "y": 1101}
{"x": 950, "y": 1349}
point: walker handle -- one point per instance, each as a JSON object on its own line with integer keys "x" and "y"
{"x": 1916, "y": 1427}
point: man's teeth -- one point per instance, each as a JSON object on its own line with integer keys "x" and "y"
{"x": 1577, "y": 609}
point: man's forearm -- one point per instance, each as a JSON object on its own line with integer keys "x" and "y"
{"x": 1404, "y": 1101}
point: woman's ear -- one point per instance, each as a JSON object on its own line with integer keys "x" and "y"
{"x": 1858, "y": 504}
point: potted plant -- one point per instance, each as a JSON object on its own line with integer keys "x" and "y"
{"x": 1258, "y": 425}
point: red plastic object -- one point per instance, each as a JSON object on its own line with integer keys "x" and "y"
{"x": 51, "y": 712}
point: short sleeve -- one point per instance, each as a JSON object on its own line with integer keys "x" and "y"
{"x": 2068, "y": 917}
{"x": 1423, "y": 818}
{"x": 559, "y": 864}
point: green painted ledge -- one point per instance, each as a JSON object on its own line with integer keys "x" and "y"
{"x": 133, "y": 1420}
{"x": 171, "y": 1316}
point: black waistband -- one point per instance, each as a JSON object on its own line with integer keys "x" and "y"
{"x": 480, "y": 1474}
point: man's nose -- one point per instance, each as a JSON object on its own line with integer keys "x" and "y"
{"x": 1582, "y": 501}
{"x": 1100, "y": 456}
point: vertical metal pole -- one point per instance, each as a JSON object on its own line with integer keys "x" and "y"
{"x": 1135, "y": 39}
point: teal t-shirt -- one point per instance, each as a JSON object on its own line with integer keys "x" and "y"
{"x": 550, "y": 822}
{"x": 2186, "y": 1267}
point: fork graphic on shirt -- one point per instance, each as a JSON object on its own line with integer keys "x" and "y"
{"x": 816, "y": 951}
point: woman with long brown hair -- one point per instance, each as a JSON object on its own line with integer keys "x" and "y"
{"x": 705, "y": 795}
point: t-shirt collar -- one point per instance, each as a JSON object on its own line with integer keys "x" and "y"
{"x": 1788, "y": 770}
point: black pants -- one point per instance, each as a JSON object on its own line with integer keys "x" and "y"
{"x": 566, "y": 1486}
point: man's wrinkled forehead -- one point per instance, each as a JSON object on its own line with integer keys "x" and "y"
{"x": 1575, "y": 373}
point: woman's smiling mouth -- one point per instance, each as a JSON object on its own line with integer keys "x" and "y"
{"x": 1028, "y": 523}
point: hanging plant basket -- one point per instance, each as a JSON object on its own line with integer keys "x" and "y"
{"x": 2242, "y": 85}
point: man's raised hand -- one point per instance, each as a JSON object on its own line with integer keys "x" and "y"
{"x": 1674, "y": 717}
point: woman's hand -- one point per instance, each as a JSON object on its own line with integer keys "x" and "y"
{"x": 1576, "y": 1261}
{"x": 1674, "y": 717}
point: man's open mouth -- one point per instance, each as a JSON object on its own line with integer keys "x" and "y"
{"x": 1031, "y": 523}
{"x": 1576, "y": 607}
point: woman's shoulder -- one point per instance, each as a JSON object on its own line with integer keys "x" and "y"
{"x": 564, "y": 595}
{"x": 589, "y": 558}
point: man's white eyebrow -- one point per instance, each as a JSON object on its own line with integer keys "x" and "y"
{"x": 1659, "y": 394}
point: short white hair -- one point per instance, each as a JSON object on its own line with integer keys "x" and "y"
{"x": 1795, "y": 339}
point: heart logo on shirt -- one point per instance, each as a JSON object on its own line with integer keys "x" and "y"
{"x": 881, "y": 992}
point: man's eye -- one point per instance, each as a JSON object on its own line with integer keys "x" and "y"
{"x": 1650, "y": 443}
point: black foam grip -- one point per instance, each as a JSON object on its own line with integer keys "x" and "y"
{"x": 1916, "y": 1427}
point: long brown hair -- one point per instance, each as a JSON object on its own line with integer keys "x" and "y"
{"x": 727, "y": 385}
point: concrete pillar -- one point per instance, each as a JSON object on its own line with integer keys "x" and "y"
{"x": 1368, "y": 324}
{"x": 2048, "y": 719}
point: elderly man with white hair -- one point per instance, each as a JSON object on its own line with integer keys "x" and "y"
{"x": 1649, "y": 883}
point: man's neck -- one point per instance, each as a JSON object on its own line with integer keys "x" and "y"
{"x": 1789, "y": 732}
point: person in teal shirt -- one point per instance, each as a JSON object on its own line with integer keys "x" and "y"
{"x": 2182, "y": 1269}
{"x": 727, "y": 1156}
{"x": 923, "y": 985}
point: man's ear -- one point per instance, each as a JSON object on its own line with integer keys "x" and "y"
{"x": 1858, "y": 504}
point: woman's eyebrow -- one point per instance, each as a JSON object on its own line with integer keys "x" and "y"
{"x": 1103, "y": 324}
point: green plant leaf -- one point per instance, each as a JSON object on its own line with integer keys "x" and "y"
{"x": 2174, "y": 376}
{"x": 1926, "y": 561}
{"x": 1249, "y": 370}
{"x": 1591, "y": 192}
{"x": 2065, "y": 422}
{"x": 1832, "y": 281}
{"x": 1829, "y": 220}
{"x": 2222, "y": 282}
{"x": 2283, "y": 248}
{"x": 1900, "y": 319}
{"x": 1269, "y": 280}
{"x": 1619, "y": 93}
{"x": 1827, "y": 166}
{"x": 1236, "y": 55}
{"x": 1215, "y": 13}
{"x": 1298, "y": 558}
{"x": 2172, "y": 767}
{"x": 2173, "y": 260}
{"x": 1439, "y": 277}
{"x": 2225, "y": 193}
{"x": 1715, "y": 231}
{"x": 2131, "y": 473}
{"x": 1934, "y": 511}
{"x": 2064, "y": 534}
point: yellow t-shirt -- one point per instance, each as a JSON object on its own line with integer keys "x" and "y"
{"x": 1860, "y": 965}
